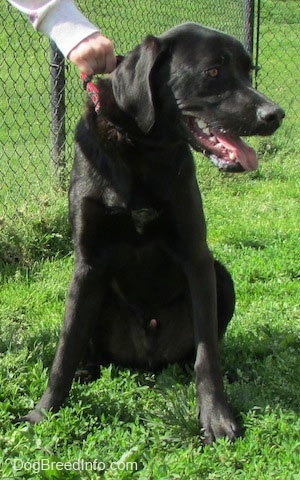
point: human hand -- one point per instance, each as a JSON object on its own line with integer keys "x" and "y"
{"x": 95, "y": 54}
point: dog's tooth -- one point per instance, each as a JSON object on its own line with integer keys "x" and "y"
{"x": 232, "y": 156}
{"x": 206, "y": 131}
{"x": 201, "y": 124}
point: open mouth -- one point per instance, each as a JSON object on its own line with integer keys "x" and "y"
{"x": 227, "y": 151}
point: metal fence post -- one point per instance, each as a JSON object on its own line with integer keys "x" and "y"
{"x": 249, "y": 25}
{"x": 58, "y": 113}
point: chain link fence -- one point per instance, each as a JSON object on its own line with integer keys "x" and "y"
{"x": 33, "y": 164}
{"x": 276, "y": 47}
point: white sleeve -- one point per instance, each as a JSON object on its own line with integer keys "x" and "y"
{"x": 60, "y": 20}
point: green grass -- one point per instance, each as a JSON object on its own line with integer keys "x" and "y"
{"x": 145, "y": 420}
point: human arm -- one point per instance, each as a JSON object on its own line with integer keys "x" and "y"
{"x": 75, "y": 36}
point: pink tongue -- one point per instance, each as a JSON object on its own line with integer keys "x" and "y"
{"x": 245, "y": 154}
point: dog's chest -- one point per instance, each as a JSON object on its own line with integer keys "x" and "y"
{"x": 138, "y": 217}
{"x": 142, "y": 216}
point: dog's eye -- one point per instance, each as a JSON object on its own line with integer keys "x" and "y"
{"x": 212, "y": 72}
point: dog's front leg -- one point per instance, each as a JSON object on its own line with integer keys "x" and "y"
{"x": 83, "y": 305}
{"x": 214, "y": 412}
{"x": 198, "y": 264}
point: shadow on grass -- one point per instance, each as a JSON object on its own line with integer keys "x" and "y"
{"x": 259, "y": 375}
{"x": 263, "y": 372}
{"x": 24, "y": 243}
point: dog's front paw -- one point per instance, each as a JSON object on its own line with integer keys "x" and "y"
{"x": 33, "y": 417}
{"x": 218, "y": 422}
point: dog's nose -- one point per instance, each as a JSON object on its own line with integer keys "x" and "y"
{"x": 270, "y": 115}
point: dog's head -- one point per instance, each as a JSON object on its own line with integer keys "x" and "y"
{"x": 198, "y": 82}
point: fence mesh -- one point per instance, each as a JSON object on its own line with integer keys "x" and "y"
{"x": 278, "y": 47}
{"x": 29, "y": 177}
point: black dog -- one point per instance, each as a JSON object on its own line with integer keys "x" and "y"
{"x": 146, "y": 290}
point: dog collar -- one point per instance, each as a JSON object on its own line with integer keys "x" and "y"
{"x": 92, "y": 89}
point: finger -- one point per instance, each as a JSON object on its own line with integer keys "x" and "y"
{"x": 84, "y": 67}
{"x": 97, "y": 63}
{"x": 111, "y": 63}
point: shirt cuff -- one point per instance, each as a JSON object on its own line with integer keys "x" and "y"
{"x": 66, "y": 26}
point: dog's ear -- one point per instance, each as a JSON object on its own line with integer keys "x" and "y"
{"x": 132, "y": 82}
